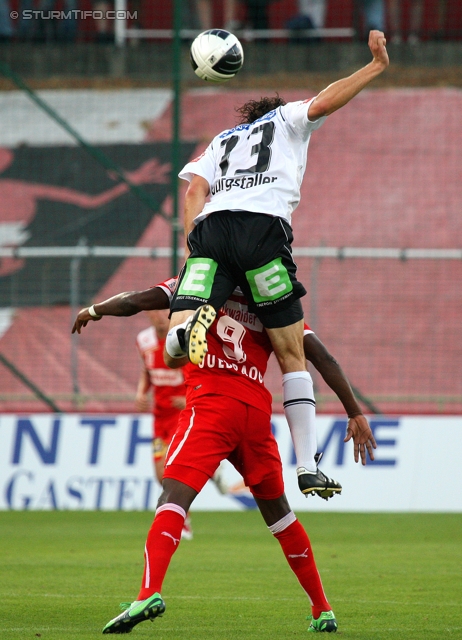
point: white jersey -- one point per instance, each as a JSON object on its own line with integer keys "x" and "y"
{"x": 257, "y": 167}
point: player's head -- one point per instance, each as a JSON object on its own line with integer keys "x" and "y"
{"x": 254, "y": 109}
{"x": 6, "y": 158}
{"x": 159, "y": 320}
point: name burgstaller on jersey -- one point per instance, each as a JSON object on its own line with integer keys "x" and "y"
{"x": 246, "y": 182}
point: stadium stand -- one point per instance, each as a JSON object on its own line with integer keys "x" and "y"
{"x": 382, "y": 174}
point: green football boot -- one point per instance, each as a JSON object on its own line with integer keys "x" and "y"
{"x": 136, "y": 612}
{"x": 326, "y": 623}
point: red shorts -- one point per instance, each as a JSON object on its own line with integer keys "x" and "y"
{"x": 213, "y": 428}
{"x": 159, "y": 449}
{"x": 164, "y": 429}
{"x": 165, "y": 425}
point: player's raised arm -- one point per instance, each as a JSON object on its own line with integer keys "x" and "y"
{"x": 123, "y": 304}
{"x": 339, "y": 93}
{"x": 333, "y": 375}
{"x": 195, "y": 198}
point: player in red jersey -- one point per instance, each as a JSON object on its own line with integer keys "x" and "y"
{"x": 236, "y": 427}
{"x": 168, "y": 393}
{"x": 167, "y": 385}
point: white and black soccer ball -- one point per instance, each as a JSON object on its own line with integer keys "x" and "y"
{"x": 216, "y": 55}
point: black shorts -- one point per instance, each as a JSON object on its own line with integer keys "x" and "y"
{"x": 249, "y": 250}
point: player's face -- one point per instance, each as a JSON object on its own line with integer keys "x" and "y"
{"x": 159, "y": 320}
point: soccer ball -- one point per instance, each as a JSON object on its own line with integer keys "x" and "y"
{"x": 216, "y": 55}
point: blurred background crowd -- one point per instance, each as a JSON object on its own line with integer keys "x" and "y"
{"x": 403, "y": 20}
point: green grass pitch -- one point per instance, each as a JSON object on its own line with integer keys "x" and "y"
{"x": 63, "y": 574}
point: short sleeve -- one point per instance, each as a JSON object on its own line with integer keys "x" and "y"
{"x": 307, "y": 330}
{"x": 168, "y": 287}
{"x": 203, "y": 165}
{"x": 296, "y": 116}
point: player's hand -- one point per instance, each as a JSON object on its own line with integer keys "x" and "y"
{"x": 141, "y": 402}
{"x": 358, "y": 428}
{"x": 179, "y": 402}
{"x": 377, "y": 45}
{"x": 82, "y": 320}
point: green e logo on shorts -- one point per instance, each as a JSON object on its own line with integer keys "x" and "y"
{"x": 269, "y": 282}
{"x": 198, "y": 278}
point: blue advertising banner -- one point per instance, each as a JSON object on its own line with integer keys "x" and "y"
{"x": 77, "y": 461}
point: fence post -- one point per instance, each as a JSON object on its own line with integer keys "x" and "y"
{"x": 120, "y": 27}
{"x": 176, "y": 134}
{"x": 75, "y": 304}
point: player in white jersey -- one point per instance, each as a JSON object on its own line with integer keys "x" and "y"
{"x": 242, "y": 236}
{"x": 265, "y": 179}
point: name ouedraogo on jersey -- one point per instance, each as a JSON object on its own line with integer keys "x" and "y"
{"x": 257, "y": 167}
{"x": 237, "y": 357}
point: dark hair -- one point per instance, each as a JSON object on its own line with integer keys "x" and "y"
{"x": 254, "y": 109}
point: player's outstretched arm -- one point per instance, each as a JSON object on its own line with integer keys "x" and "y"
{"x": 123, "y": 304}
{"x": 141, "y": 397}
{"x": 194, "y": 201}
{"x": 359, "y": 429}
{"x": 332, "y": 373}
{"x": 339, "y": 93}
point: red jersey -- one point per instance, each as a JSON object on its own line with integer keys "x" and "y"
{"x": 237, "y": 357}
{"x": 166, "y": 383}
{"x": 238, "y": 352}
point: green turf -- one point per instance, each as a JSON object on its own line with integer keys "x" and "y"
{"x": 63, "y": 574}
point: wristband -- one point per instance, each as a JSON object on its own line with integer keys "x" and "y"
{"x": 92, "y": 312}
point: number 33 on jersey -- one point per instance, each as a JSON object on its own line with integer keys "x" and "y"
{"x": 257, "y": 167}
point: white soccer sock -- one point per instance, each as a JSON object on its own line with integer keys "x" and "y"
{"x": 172, "y": 344}
{"x": 300, "y": 411}
{"x": 283, "y": 523}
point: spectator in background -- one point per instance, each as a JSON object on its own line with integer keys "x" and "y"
{"x": 204, "y": 9}
{"x": 6, "y": 24}
{"x": 257, "y": 13}
{"x": 311, "y": 15}
{"x": 256, "y": 18}
{"x": 232, "y": 23}
{"x": 396, "y": 21}
{"x": 442, "y": 9}
{"x": 204, "y": 15}
{"x": 42, "y": 29}
{"x": 104, "y": 27}
{"x": 372, "y": 15}
{"x": 314, "y": 10}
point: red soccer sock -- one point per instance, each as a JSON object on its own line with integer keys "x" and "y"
{"x": 162, "y": 542}
{"x": 297, "y": 549}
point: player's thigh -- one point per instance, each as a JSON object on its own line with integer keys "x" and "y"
{"x": 257, "y": 456}
{"x": 208, "y": 431}
{"x": 287, "y": 344}
{"x": 202, "y": 280}
{"x": 270, "y": 274}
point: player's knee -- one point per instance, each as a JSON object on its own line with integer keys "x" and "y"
{"x": 290, "y": 361}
